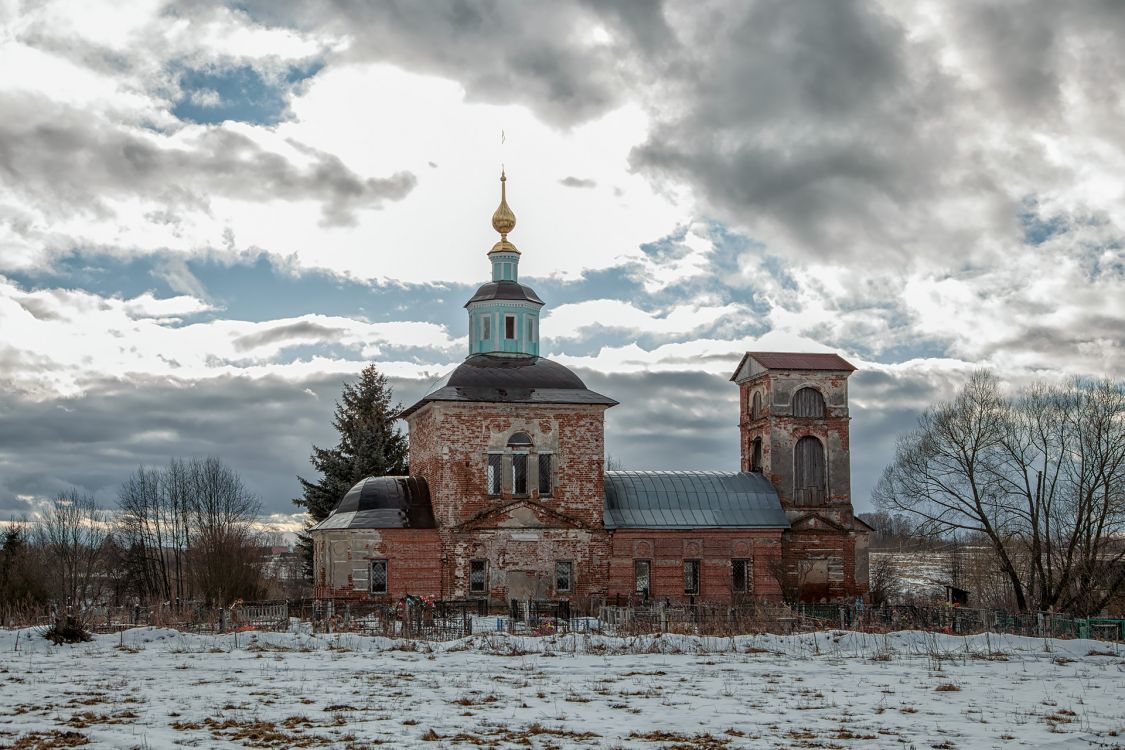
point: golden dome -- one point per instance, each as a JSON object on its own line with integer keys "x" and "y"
{"x": 503, "y": 220}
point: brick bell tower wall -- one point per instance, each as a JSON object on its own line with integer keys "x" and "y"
{"x": 824, "y": 554}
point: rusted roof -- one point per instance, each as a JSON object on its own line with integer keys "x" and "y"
{"x": 796, "y": 361}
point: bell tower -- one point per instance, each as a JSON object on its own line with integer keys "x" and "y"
{"x": 793, "y": 427}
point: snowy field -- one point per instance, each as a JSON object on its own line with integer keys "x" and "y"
{"x": 153, "y": 688}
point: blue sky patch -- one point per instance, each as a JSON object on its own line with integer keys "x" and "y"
{"x": 240, "y": 92}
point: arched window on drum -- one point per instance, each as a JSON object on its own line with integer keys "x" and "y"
{"x": 808, "y": 402}
{"x": 810, "y": 475}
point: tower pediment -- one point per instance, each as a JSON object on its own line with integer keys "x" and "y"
{"x": 522, "y": 513}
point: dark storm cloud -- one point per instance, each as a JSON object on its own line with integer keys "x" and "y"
{"x": 69, "y": 159}
{"x": 815, "y": 121}
{"x": 503, "y": 51}
{"x": 263, "y": 428}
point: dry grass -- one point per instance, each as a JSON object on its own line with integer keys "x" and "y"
{"x": 49, "y": 740}
{"x": 947, "y": 687}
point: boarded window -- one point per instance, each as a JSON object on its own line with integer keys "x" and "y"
{"x": 742, "y": 576}
{"x": 545, "y": 483}
{"x": 486, "y": 327}
{"x": 564, "y": 575}
{"x": 519, "y": 474}
{"x": 808, "y": 402}
{"x": 809, "y": 475}
{"x": 756, "y": 455}
{"x": 642, "y": 577}
{"x": 478, "y": 576}
{"x": 756, "y": 405}
{"x": 691, "y": 576}
{"x": 531, "y": 329}
{"x": 378, "y": 576}
{"x": 509, "y": 326}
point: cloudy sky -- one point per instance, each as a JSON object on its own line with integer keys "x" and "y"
{"x": 211, "y": 215}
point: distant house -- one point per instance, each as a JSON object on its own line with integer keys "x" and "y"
{"x": 509, "y": 497}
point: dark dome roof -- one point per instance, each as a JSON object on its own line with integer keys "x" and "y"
{"x": 383, "y": 503}
{"x": 509, "y": 290}
{"x": 490, "y": 370}
{"x": 511, "y": 379}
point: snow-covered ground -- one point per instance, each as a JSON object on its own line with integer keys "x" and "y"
{"x": 153, "y": 688}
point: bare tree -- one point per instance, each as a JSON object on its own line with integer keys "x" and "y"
{"x": 226, "y": 551}
{"x": 1040, "y": 477}
{"x": 72, "y": 533}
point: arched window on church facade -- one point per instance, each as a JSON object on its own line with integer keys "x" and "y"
{"x": 808, "y": 402}
{"x": 810, "y": 475}
{"x": 520, "y": 444}
{"x": 756, "y": 405}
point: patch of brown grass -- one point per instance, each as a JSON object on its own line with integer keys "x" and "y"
{"x": 49, "y": 740}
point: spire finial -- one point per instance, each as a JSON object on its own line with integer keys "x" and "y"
{"x": 503, "y": 220}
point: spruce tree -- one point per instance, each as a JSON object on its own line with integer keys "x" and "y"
{"x": 369, "y": 446}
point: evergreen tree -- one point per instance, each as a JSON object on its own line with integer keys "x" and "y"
{"x": 369, "y": 446}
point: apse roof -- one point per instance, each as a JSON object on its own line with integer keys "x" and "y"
{"x": 383, "y": 503}
{"x": 690, "y": 500}
{"x": 511, "y": 379}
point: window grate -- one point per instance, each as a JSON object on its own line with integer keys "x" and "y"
{"x": 378, "y": 576}
{"x": 495, "y": 466}
{"x": 743, "y": 576}
{"x": 564, "y": 573}
{"x": 478, "y": 576}
{"x": 545, "y": 480}
{"x": 691, "y": 576}
{"x": 641, "y": 577}
{"x": 519, "y": 474}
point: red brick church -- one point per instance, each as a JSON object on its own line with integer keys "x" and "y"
{"x": 509, "y": 497}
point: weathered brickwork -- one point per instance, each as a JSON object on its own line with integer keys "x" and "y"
{"x": 715, "y": 549}
{"x": 344, "y": 560}
{"x": 554, "y": 545}
{"x": 825, "y": 550}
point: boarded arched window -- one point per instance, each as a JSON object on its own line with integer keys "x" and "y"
{"x": 756, "y": 405}
{"x": 810, "y": 477}
{"x": 756, "y": 455}
{"x": 808, "y": 402}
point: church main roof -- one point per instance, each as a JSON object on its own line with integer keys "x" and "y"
{"x": 691, "y": 500}
{"x": 506, "y": 379}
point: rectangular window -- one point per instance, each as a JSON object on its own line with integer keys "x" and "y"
{"x": 545, "y": 485}
{"x": 495, "y": 464}
{"x": 642, "y": 570}
{"x": 378, "y": 576}
{"x": 486, "y": 327}
{"x": 564, "y": 573}
{"x": 691, "y": 576}
{"x": 509, "y": 327}
{"x": 478, "y": 576}
{"x": 519, "y": 474}
{"x": 530, "y": 329}
{"x": 742, "y": 581}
